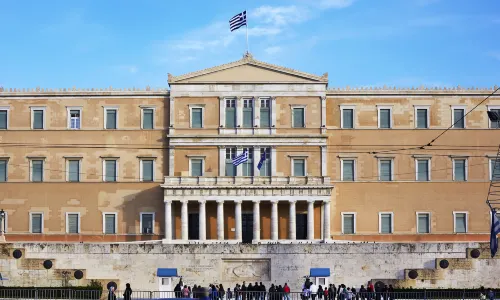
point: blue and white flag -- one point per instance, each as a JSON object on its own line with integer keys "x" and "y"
{"x": 238, "y": 21}
{"x": 262, "y": 159}
{"x": 495, "y": 230}
{"x": 238, "y": 160}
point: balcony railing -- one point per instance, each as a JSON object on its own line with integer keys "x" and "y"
{"x": 246, "y": 180}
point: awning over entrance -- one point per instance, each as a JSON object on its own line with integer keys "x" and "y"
{"x": 320, "y": 272}
{"x": 166, "y": 272}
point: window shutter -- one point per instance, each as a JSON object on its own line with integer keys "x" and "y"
{"x": 109, "y": 223}
{"x": 459, "y": 169}
{"x": 37, "y": 169}
{"x": 3, "y": 170}
{"x": 74, "y": 171}
{"x": 196, "y": 167}
{"x": 460, "y": 223}
{"x": 349, "y": 224}
{"x": 248, "y": 117}
{"x": 385, "y": 220}
{"x": 147, "y": 118}
{"x": 458, "y": 115}
{"x": 3, "y": 119}
{"x": 230, "y": 117}
{"x": 423, "y": 223}
{"x": 348, "y": 118}
{"x": 298, "y": 117}
{"x": 385, "y": 118}
{"x": 423, "y": 170}
{"x": 385, "y": 170}
{"x": 73, "y": 223}
{"x": 111, "y": 119}
{"x": 265, "y": 117}
{"x": 495, "y": 124}
{"x": 110, "y": 170}
{"x": 147, "y": 223}
{"x": 36, "y": 223}
{"x": 421, "y": 118}
{"x": 348, "y": 170}
{"x": 196, "y": 117}
{"x": 38, "y": 119}
{"x": 495, "y": 170}
{"x": 299, "y": 167}
{"x": 147, "y": 170}
{"x": 230, "y": 168}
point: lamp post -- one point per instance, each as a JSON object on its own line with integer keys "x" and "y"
{"x": 2, "y": 223}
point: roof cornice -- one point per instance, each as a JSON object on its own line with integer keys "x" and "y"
{"x": 428, "y": 91}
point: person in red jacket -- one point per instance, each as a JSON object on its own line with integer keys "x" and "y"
{"x": 286, "y": 290}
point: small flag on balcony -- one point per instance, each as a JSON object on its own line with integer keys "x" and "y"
{"x": 495, "y": 230}
{"x": 238, "y": 160}
{"x": 262, "y": 159}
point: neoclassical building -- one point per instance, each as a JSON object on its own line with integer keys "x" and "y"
{"x": 340, "y": 164}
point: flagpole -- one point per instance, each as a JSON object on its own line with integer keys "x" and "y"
{"x": 248, "y": 50}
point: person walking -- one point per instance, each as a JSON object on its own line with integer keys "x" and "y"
{"x": 127, "y": 295}
{"x": 314, "y": 290}
{"x": 286, "y": 290}
{"x": 112, "y": 295}
{"x": 185, "y": 292}
{"x": 320, "y": 292}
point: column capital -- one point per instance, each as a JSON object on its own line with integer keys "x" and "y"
{"x": 169, "y": 201}
{"x": 184, "y": 201}
{"x": 256, "y": 201}
{"x": 292, "y": 201}
{"x": 202, "y": 201}
{"x": 220, "y": 201}
{"x": 222, "y": 147}
{"x": 311, "y": 200}
{"x": 327, "y": 201}
{"x": 238, "y": 201}
{"x": 274, "y": 201}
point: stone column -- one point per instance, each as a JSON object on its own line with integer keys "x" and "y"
{"x": 326, "y": 219}
{"x": 273, "y": 161}
{"x": 256, "y": 220}
{"x": 310, "y": 219}
{"x": 220, "y": 219}
{"x": 292, "y": 228}
{"x": 184, "y": 220}
{"x": 274, "y": 220}
{"x": 203, "y": 220}
{"x": 222, "y": 161}
{"x": 237, "y": 219}
{"x": 168, "y": 219}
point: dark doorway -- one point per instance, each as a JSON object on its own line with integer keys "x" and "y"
{"x": 301, "y": 226}
{"x": 247, "y": 227}
{"x": 194, "y": 226}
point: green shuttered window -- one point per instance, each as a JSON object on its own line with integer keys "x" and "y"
{"x": 423, "y": 170}
{"x": 385, "y": 170}
{"x": 265, "y": 113}
{"x": 74, "y": 170}
{"x": 38, "y": 119}
{"x": 147, "y": 170}
{"x": 73, "y": 223}
{"x": 111, "y": 118}
{"x": 196, "y": 167}
{"x": 3, "y": 170}
{"x": 299, "y": 167}
{"x": 248, "y": 165}
{"x": 230, "y": 113}
{"x": 347, "y": 118}
{"x": 109, "y": 223}
{"x": 110, "y": 170}
{"x": 248, "y": 113}
{"x": 495, "y": 170}
{"x": 196, "y": 117}
{"x": 348, "y": 224}
{"x": 459, "y": 166}
{"x": 458, "y": 118}
{"x": 385, "y": 118}
{"x": 460, "y": 222}
{"x": 230, "y": 168}
{"x": 36, "y": 223}
{"x": 423, "y": 223}
{"x": 348, "y": 170}
{"x": 147, "y": 118}
{"x": 3, "y": 119}
{"x": 298, "y": 117}
{"x": 422, "y": 118}
{"x": 385, "y": 223}
{"x": 495, "y": 124}
{"x": 37, "y": 170}
{"x": 147, "y": 223}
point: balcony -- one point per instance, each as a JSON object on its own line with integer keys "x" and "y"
{"x": 247, "y": 181}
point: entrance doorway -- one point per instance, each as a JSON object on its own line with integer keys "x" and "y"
{"x": 194, "y": 226}
{"x": 247, "y": 227}
{"x": 301, "y": 226}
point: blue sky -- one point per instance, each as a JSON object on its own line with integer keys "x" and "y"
{"x": 119, "y": 43}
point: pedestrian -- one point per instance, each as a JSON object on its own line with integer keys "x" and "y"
{"x": 250, "y": 291}
{"x": 371, "y": 290}
{"x": 244, "y": 291}
{"x": 262, "y": 290}
{"x": 348, "y": 295}
{"x": 314, "y": 290}
{"x": 491, "y": 294}
{"x": 185, "y": 292}
{"x": 112, "y": 295}
{"x": 280, "y": 292}
{"x": 362, "y": 293}
{"x": 332, "y": 292}
{"x": 482, "y": 293}
{"x": 354, "y": 293}
{"x": 286, "y": 290}
{"x": 222, "y": 292}
{"x": 229, "y": 294}
{"x": 320, "y": 292}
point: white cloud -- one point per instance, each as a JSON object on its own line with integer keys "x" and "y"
{"x": 280, "y": 15}
{"x": 335, "y": 3}
{"x": 273, "y": 50}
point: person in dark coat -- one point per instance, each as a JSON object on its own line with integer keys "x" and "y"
{"x": 244, "y": 291}
{"x": 127, "y": 295}
{"x": 112, "y": 295}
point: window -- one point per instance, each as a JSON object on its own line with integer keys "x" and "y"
{"x": 147, "y": 170}
{"x": 423, "y": 223}
{"x": 109, "y": 223}
{"x": 385, "y": 169}
{"x": 386, "y": 222}
{"x": 347, "y": 117}
{"x": 495, "y": 170}
{"x": 36, "y": 222}
{"x": 148, "y": 115}
{"x": 196, "y": 117}
{"x": 248, "y": 113}
{"x": 347, "y": 169}
{"x": 460, "y": 222}
{"x": 458, "y": 117}
{"x": 248, "y": 165}
{"x": 36, "y": 170}
{"x": 73, "y": 222}
{"x": 298, "y": 117}
{"x": 230, "y": 168}
{"x": 110, "y": 170}
{"x": 265, "y": 112}
{"x": 196, "y": 167}
{"x": 494, "y": 109}
{"x": 265, "y": 170}
{"x": 37, "y": 117}
{"x": 230, "y": 113}
{"x": 74, "y": 117}
{"x": 421, "y": 117}
{"x": 73, "y": 166}
{"x": 299, "y": 167}
{"x": 4, "y": 114}
{"x": 423, "y": 169}
{"x": 460, "y": 169}
{"x": 147, "y": 223}
{"x": 3, "y": 170}
{"x": 384, "y": 117}
{"x": 110, "y": 118}
{"x": 348, "y": 223}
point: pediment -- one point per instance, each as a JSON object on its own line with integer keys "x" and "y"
{"x": 247, "y": 70}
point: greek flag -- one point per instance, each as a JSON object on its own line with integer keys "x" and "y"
{"x": 495, "y": 230}
{"x": 238, "y": 160}
{"x": 238, "y": 21}
{"x": 262, "y": 159}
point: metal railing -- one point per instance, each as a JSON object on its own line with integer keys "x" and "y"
{"x": 33, "y": 293}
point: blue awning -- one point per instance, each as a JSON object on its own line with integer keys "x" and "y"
{"x": 320, "y": 272}
{"x": 166, "y": 272}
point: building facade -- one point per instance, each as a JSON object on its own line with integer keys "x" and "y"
{"x": 340, "y": 164}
